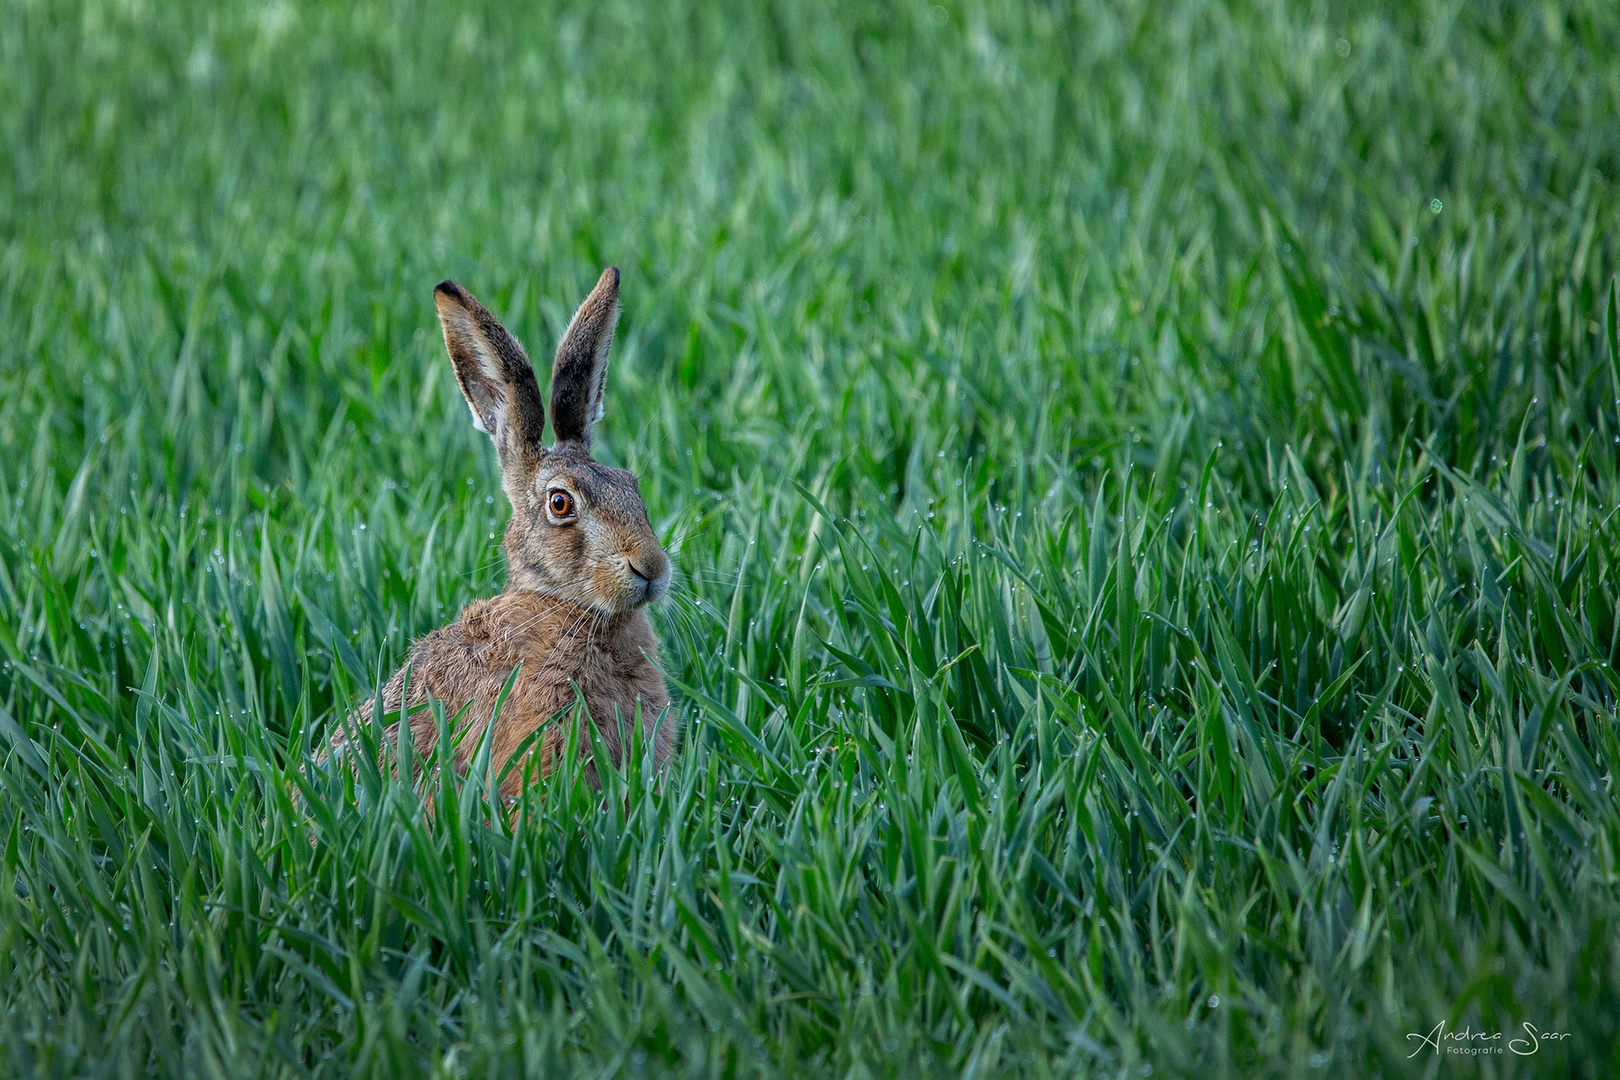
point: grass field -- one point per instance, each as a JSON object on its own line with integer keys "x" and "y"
{"x": 1143, "y": 488}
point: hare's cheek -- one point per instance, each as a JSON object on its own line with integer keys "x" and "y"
{"x": 570, "y": 545}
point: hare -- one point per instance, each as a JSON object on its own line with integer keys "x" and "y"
{"x": 582, "y": 562}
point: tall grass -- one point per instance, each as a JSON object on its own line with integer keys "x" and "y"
{"x": 1142, "y": 484}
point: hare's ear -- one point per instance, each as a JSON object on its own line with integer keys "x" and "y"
{"x": 580, "y": 373}
{"x": 495, "y": 376}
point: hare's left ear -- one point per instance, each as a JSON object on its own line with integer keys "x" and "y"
{"x": 579, "y": 374}
{"x": 496, "y": 379}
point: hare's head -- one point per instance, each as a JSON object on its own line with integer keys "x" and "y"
{"x": 579, "y": 530}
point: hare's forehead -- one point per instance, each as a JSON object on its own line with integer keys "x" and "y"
{"x": 598, "y": 485}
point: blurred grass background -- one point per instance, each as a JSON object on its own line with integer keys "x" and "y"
{"x": 1142, "y": 481}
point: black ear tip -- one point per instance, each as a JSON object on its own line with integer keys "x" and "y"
{"x": 449, "y": 288}
{"x": 614, "y": 271}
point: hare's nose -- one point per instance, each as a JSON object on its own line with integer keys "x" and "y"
{"x": 648, "y": 565}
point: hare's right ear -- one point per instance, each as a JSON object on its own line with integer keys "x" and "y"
{"x": 579, "y": 374}
{"x": 496, "y": 377}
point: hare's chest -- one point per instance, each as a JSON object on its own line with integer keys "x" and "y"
{"x": 613, "y": 682}
{"x": 554, "y": 675}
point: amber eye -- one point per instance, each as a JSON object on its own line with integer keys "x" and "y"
{"x": 562, "y": 504}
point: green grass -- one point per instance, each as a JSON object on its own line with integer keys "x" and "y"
{"x": 1143, "y": 485}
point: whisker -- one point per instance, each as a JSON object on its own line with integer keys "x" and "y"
{"x": 711, "y": 578}
{"x": 468, "y": 575}
{"x": 696, "y": 604}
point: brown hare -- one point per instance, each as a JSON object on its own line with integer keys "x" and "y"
{"x": 582, "y": 563}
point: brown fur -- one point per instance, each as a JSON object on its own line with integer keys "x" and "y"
{"x": 573, "y": 614}
{"x": 611, "y": 659}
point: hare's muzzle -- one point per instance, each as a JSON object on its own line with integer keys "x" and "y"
{"x": 650, "y": 570}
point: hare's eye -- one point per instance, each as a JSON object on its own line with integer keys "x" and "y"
{"x": 562, "y": 504}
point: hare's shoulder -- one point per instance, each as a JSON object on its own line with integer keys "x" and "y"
{"x": 518, "y": 626}
{"x": 459, "y": 661}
